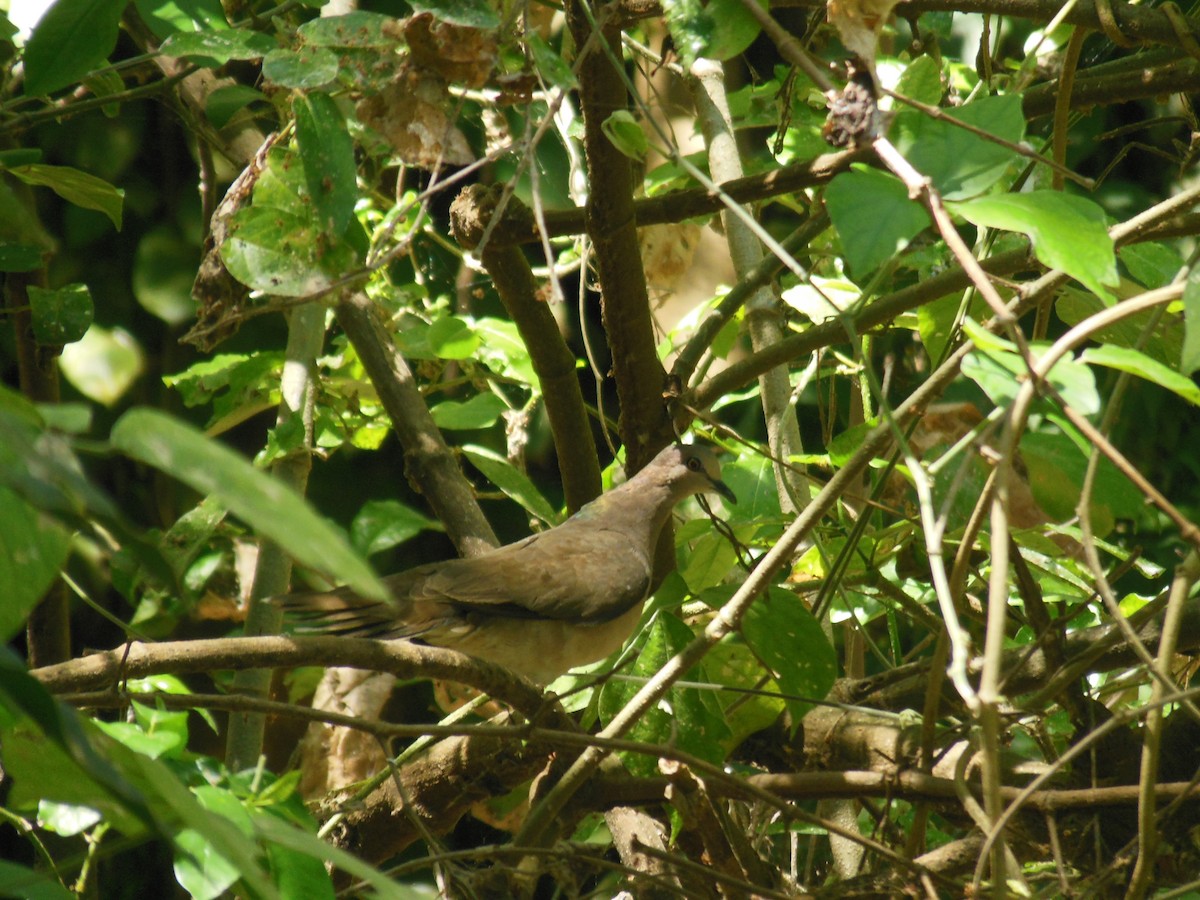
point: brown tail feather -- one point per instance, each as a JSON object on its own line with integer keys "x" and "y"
{"x": 344, "y": 614}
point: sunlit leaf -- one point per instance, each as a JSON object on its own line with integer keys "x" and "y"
{"x": 71, "y": 39}
{"x": 1067, "y": 232}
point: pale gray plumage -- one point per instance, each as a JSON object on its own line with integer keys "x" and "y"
{"x": 562, "y": 598}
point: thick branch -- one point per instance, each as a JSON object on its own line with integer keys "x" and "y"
{"x": 552, "y": 360}
{"x": 612, "y": 227}
{"x": 429, "y": 463}
{"x": 403, "y": 659}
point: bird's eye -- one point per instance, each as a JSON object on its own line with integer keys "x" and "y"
{"x": 695, "y": 464}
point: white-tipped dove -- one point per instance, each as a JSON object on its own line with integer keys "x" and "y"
{"x": 566, "y": 597}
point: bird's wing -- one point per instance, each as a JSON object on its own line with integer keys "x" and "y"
{"x": 586, "y": 574}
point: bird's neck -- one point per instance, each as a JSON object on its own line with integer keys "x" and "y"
{"x": 640, "y": 510}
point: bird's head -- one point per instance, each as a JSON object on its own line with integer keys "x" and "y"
{"x": 689, "y": 469}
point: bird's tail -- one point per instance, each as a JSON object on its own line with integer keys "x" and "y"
{"x": 341, "y": 612}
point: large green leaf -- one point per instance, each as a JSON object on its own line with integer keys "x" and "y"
{"x": 1126, "y": 359}
{"x": 62, "y": 315}
{"x": 166, "y": 17}
{"x": 789, "y": 641}
{"x": 1000, "y": 371}
{"x": 1067, "y": 232}
{"x": 382, "y": 524}
{"x": 921, "y": 81}
{"x": 284, "y": 253}
{"x": 1157, "y": 333}
{"x": 327, "y": 154}
{"x": 452, "y": 338}
{"x": 357, "y": 29}
{"x": 686, "y": 718}
{"x": 33, "y": 548}
{"x": 219, "y": 47}
{"x": 310, "y": 67}
{"x": 511, "y": 480}
{"x": 71, "y": 39}
{"x": 39, "y": 465}
{"x": 962, "y": 164}
{"x": 1056, "y": 466}
{"x": 18, "y": 881}
{"x": 480, "y": 411}
{"x": 720, "y": 29}
{"x": 103, "y": 364}
{"x": 275, "y": 511}
{"x": 76, "y": 187}
{"x": 1189, "y": 360}
{"x": 874, "y": 216}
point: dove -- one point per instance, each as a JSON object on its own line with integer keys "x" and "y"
{"x": 561, "y": 598}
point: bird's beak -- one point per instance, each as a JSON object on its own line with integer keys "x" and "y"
{"x": 724, "y": 490}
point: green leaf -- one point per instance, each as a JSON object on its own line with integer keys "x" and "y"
{"x": 481, "y": 411}
{"x": 749, "y": 708}
{"x": 66, "y": 819}
{"x": 305, "y": 69}
{"x": 1157, "y": 333}
{"x": 874, "y": 216}
{"x": 1189, "y": 360}
{"x": 33, "y": 548}
{"x": 959, "y": 163}
{"x": 550, "y": 64}
{"x": 164, "y": 268}
{"x": 936, "y": 322}
{"x": 218, "y": 46}
{"x": 504, "y": 351}
{"x": 154, "y": 746}
{"x": 20, "y": 156}
{"x": 300, "y": 876}
{"x": 103, "y": 364}
{"x": 76, "y": 187}
{"x": 686, "y": 717}
{"x": 60, "y": 316}
{"x": 236, "y": 385}
{"x": 279, "y": 833}
{"x": 357, "y": 29}
{"x": 720, "y": 30}
{"x": 452, "y": 338}
{"x": 1056, "y": 466}
{"x": 752, "y": 479}
{"x": 21, "y": 257}
{"x": 1067, "y": 232}
{"x": 785, "y": 636}
{"x": 105, "y": 83}
{"x": 71, "y": 39}
{"x": 511, "y": 480}
{"x": 383, "y": 524}
{"x": 1126, "y": 359}
{"x": 18, "y": 881}
{"x": 921, "y": 81}
{"x": 272, "y": 509}
{"x": 327, "y": 155}
{"x": 1000, "y": 373}
{"x": 226, "y": 102}
{"x": 283, "y": 253}
{"x": 51, "y": 753}
{"x": 199, "y": 868}
{"x": 622, "y": 129}
{"x": 1154, "y": 265}
{"x": 40, "y": 467}
{"x": 706, "y": 556}
{"x": 166, "y": 17}
{"x": 471, "y": 13}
